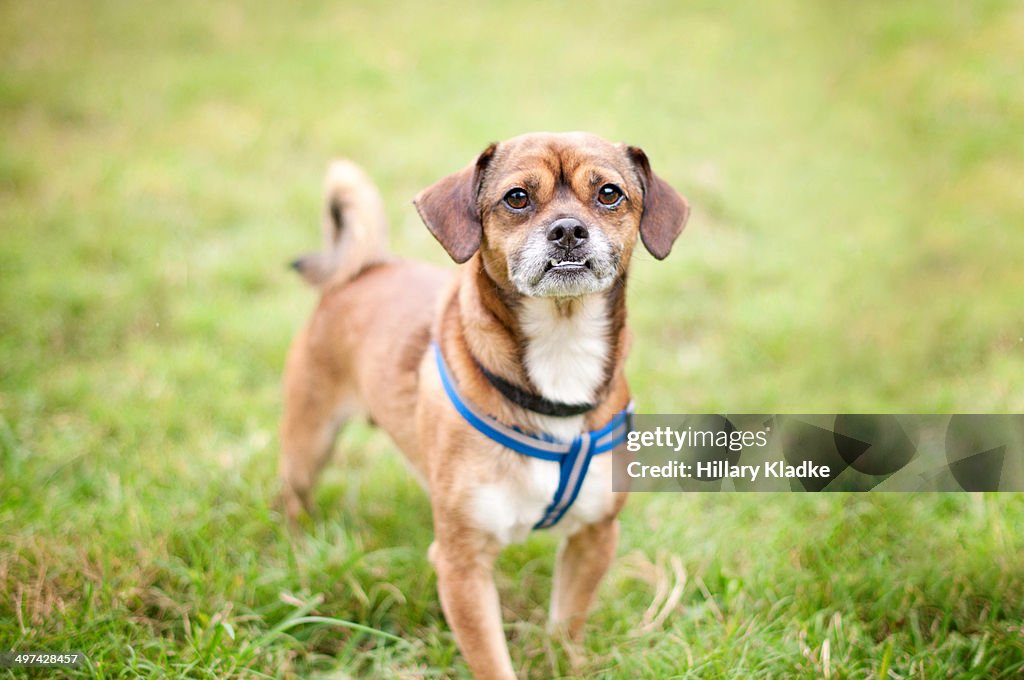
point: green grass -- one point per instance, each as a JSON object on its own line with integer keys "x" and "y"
{"x": 856, "y": 245}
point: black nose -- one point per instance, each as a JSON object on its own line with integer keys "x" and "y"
{"x": 567, "y": 232}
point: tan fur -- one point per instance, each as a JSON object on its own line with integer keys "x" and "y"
{"x": 365, "y": 349}
{"x": 354, "y": 227}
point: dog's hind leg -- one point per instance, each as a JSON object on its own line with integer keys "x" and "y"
{"x": 315, "y": 409}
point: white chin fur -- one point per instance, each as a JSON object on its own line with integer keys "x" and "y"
{"x": 567, "y": 284}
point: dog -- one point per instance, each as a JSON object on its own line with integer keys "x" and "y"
{"x": 478, "y": 376}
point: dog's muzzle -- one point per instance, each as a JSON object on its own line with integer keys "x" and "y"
{"x": 568, "y": 239}
{"x": 567, "y": 258}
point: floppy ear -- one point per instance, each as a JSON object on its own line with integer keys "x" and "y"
{"x": 450, "y": 211}
{"x": 665, "y": 211}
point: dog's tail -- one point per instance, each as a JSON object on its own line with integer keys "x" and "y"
{"x": 355, "y": 227}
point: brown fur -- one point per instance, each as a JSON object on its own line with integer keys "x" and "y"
{"x": 365, "y": 350}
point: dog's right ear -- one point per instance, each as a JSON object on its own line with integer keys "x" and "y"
{"x": 450, "y": 210}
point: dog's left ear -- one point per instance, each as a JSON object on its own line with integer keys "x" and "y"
{"x": 665, "y": 211}
{"x": 450, "y": 210}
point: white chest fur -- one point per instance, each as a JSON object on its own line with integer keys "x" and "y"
{"x": 508, "y": 509}
{"x": 566, "y": 353}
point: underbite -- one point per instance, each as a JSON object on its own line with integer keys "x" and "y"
{"x": 566, "y": 265}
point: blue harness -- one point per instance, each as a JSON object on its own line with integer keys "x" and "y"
{"x": 573, "y": 457}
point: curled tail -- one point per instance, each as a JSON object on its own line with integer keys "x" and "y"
{"x": 355, "y": 227}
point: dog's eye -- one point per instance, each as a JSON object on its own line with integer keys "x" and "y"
{"x": 609, "y": 195}
{"x": 517, "y": 198}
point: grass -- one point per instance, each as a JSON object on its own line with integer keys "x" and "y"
{"x": 855, "y": 246}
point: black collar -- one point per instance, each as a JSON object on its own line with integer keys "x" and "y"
{"x": 530, "y": 401}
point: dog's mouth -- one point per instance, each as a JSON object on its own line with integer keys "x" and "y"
{"x": 542, "y": 271}
{"x": 556, "y": 265}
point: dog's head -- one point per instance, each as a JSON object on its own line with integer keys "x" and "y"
{"x": 554, "y": 215}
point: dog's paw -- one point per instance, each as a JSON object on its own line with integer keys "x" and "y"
{"x": 295, "y": 507}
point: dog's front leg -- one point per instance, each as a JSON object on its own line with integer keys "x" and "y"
{"x": 465, "y": 583}
{"x": 582, "y": 561}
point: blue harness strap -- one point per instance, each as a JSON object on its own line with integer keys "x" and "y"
{"x": 573, "y": 457}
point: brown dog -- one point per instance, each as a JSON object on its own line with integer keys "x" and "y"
{"x": 529, "y": 332}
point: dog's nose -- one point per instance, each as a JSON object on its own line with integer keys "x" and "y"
{"x": 567, "y": 232}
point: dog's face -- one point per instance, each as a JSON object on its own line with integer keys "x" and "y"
{"x": 554, "y": 215}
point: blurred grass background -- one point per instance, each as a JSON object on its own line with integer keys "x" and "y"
{"x": 856, "y": 245}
